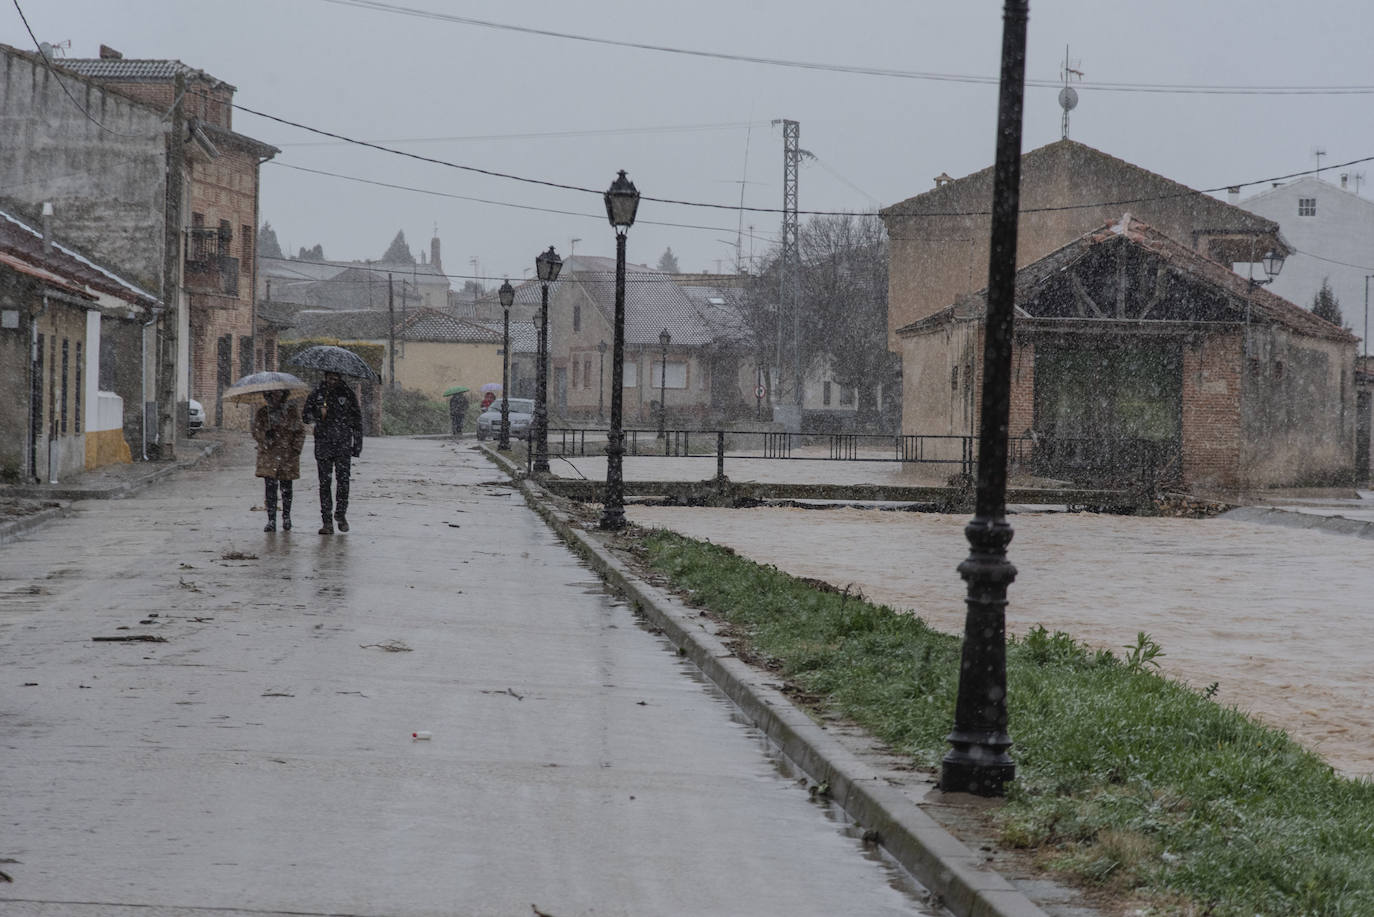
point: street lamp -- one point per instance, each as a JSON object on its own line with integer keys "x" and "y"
{"x": 978, "y": 761}
{"x": 601, "y": 385}
{"x": 507, "y": 295}
{"x": 622, "y": 200}
{"x": 547, "y": 266}
{"x": 664, "y": 339}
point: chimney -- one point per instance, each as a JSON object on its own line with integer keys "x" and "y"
{"x": 1233, "y": 194}
{"x": 108, "y": 53}
{"x": 47, "y": 227}
{"x": 434, "y": 255}
{"x": 942, "y": 179}
{"x": 1344, "y": 178}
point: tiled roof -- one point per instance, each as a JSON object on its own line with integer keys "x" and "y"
{"x": 523, "y": 337}
{"x": 1261, "y": 304}
{"x": 1078, "y": 158}
{"x": 134, "y": 71}
{"x": 653, "y": 302}
{"x": 433, "y": 325}
{"x": 344, "y": 325}
{"x": 25, "y": 243}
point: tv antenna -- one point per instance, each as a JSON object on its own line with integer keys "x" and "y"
{"x": 1319, "y": 153}
{"x": 1068, "y": 96}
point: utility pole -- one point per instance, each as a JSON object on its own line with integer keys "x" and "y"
{"x": 169, "y": 328}
{"x": 789, "y": 274}
{"x": 391, "y": 328}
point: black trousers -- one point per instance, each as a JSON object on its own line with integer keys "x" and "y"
{"x": 272, "y": 485}
{"x": 340, "y": 467}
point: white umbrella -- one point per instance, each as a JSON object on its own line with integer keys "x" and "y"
{"x": 253, "y": 386}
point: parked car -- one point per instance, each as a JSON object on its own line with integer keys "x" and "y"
{"x": 521, "y": 419}
{"x": 195, "y": 417}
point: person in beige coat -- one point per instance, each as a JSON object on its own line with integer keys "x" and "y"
{"x": 280, "y": 435}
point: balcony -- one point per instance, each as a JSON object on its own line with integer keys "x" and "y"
{"x": 209, "y": 267}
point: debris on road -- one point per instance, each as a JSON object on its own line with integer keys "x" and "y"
{"x": 391, "y": 646}
{"x": 131, "y": 638}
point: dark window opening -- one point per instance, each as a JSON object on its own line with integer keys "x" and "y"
{"x": 66, "y": 378}
{"x": 76, "y": 425}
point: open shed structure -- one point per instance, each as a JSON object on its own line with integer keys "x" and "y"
{"x": 1136, "y": 358}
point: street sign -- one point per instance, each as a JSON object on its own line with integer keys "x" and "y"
{"x": 759, "y": 391}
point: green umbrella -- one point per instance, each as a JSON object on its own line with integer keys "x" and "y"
{"x": 455, "y": 390}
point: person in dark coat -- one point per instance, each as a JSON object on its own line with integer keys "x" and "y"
{"x": 457, "y": 412}
{"x": 280, "y": 435}
{"x": 333, "y": 409}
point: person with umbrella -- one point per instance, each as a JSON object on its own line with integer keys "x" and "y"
{"x": 457, "y": 409}
{"x": 280, "y": 435}
{"x": 333, "y": 409}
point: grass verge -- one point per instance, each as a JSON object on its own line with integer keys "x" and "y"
{"x": 1126, "y": 781}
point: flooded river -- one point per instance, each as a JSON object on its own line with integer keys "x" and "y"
{"x": 1281, "y": 618}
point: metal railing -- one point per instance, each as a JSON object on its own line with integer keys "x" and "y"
{"x": 1096, "y": 461}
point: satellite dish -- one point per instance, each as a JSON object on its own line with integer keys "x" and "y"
{"x": 45, "y": 49}
{"x": 1068, "y": 98}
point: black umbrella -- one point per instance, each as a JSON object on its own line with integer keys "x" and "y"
{"x": 330, "y": 359}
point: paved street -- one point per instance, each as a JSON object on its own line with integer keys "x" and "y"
{"x": 260, "y": 760}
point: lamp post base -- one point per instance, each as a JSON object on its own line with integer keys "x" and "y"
{"x": 976, "y": 769}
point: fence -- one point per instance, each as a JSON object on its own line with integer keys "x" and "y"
{"x": 1098, "y": 462}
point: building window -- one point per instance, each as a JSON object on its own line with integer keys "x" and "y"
{"x": 577, "y": 317}
{"x": 1278, "y": 369}
{"x": 954, "y": 378}
{"x": 76, "y": 414}
{"x": 245, "y": 247}
{"x": 66, "y": 370}
{"x": 825, "y": 393}
{"x": 245, "y": 355}
{"x": 676, "y": 376}
{"x": 846, "y": 396}
{"x": 586, "y": 373}
{"x": 1307, "y": 206}
{"x": 574, "y": 374}
{"x": 631, "y": 375}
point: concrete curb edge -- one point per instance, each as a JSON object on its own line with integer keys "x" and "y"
{"x": 915, "y": 840}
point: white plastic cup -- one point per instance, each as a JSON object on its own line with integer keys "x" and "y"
{"x": 420, "y": 736}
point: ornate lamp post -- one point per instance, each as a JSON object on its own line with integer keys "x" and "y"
{"x": 507, "y": 295}
{"x": 622, "y": 200}
{"x": 547, "y": 266}
{"x": 601, "y": 385}
{"x": 978, "y": 762}
{"x": 664, "y": 339}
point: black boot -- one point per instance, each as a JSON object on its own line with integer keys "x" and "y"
{"x": 271, "y": 525}
{"x": 341, "y": 521}
{"x": 286, "y": 521}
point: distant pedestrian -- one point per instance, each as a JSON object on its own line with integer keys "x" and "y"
{"x": 333, "y": 409}
{"x": 280, "y": 435}
{"x": 457, "y": 412}
{"x": 488, "y": 399}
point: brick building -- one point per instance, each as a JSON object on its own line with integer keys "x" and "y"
{"x": 219, "y": 213}
{"x": 1136, "y": 355}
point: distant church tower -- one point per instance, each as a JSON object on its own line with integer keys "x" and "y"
{"x": 434, "y": 253}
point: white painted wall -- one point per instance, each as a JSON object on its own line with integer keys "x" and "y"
{"x": 1336, "y": 243}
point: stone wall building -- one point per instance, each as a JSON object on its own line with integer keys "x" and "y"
{"x": 1138, "y": 359}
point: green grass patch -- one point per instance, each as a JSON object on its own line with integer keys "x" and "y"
{"x": 1125, "y": 780}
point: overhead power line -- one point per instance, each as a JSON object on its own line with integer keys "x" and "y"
{"x": 1183, "y": 192}
{"x": 1180, "y": 88}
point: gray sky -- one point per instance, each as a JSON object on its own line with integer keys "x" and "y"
{"x": 691, "y": 128}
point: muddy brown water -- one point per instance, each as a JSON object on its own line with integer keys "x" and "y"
{"x": 1282, "y": 619}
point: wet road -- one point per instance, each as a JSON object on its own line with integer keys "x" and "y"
{"x": 261, "y": 760}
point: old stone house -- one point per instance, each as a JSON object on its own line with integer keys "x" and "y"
{"x": 1137, "y": 357}
{"x": 709, "y": 371}
{"x": 938, "y": 240}
{"x": 61, "y": 315}
{"x": 219, "y": 216}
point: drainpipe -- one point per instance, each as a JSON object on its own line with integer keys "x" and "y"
{"x": 143, "y": 375}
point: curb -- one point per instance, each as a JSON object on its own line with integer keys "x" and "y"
{"x": 915, "y": 840}
{"x": 10, "y": 531}
{"x": 1331, "y": 525}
